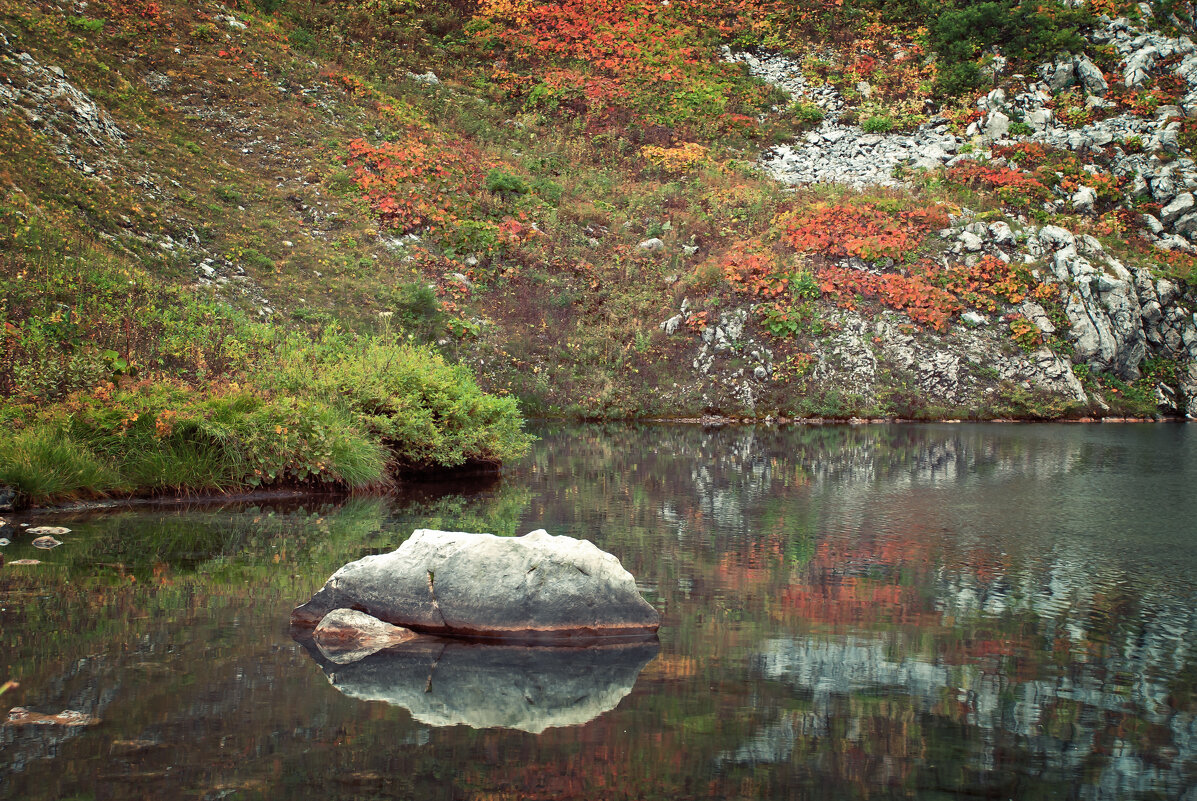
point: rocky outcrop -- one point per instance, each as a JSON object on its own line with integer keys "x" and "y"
{"x": 531, "y": 588}
{"x": 448, "y": 683}
{"x": 53, "y": 104}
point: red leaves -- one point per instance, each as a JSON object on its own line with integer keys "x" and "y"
{"x": 415, "y": 184}
{"x": 914, "y": 295}
{"x": 754, "y": 273}
{"x": 1011, "y": 185}
{"x": 864, "y": 230}
{"x": 987, "y": 282}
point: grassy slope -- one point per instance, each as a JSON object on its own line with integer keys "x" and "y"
{"x": 287, "y": 156}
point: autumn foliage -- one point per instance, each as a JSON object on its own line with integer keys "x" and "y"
{"x": 416, "y": 184}
{"x": 930, "y": 294}
{"x": 1011, "y": 185}
{"x": 863, "y": 230}
{"x": 915, "y": 295}
{"x": 616, "y": 61}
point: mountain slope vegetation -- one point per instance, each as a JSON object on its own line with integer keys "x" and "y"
{"x": 293, "y": 240}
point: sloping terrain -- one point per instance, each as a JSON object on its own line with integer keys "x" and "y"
{"x": 616, "y": 209}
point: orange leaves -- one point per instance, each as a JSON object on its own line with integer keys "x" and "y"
{"x": 1025, "y": 333}
{"x": 987, "y": 282}
{"x": 416, "y": 184}
{"x": 1010, "y": 184}
{"x": 913, "y": 295}
{"x": 620, "y": 58}
{"x": 864, "y": 230}
{"x": 755, "y": 273}
{"x": 512, "y": 232}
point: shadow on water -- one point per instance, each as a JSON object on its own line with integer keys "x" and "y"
{"x": 917, "y": 611}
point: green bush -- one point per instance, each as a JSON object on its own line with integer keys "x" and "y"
{"x": 1025, "y": 31}
{"x": 880, "y": 123}
{"x": 341, "y": 410}
{"x": 806, "y": 114}
{"x": 417, "y": 310}
{"x": 479, "y": 237}
{"x": 428, "y": 412}
{"x": 505, "y": 184}
{"x": 85, "y": 24}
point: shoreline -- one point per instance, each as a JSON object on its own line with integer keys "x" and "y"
{"x": 209, "y": 498}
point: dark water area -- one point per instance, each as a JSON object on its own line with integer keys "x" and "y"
{"x": 939, "y": 611}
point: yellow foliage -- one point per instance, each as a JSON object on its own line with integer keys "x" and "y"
{"x": 676, "y": 160}
{"x": 503, "y": 10}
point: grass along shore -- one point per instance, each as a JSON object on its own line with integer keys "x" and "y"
{"x": 340, "y": 411}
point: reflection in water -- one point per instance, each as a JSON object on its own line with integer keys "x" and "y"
{"x": 450, "y": 683}
{"x": 848, "y": 612}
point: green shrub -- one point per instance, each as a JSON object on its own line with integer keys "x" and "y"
{"x": 85, "y": 24}
{"x": 548, "y": 191}
{"x": 806, "y": 114}
{"x": 417, "y": 310}
{"x": 428, "y": 412}
{"x": 471, "y": 236}
{"x": 505, "y": 184}
{"x": 880, "y": 123}
{"x": 1024, "y": 31}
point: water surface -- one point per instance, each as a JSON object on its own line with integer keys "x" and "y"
{"x": 930, "y": 611}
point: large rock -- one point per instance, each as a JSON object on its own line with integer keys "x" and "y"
{"x": 1091, "y": 77}
{"x": 531, "y": 588}
{"x": 452, "y": 683}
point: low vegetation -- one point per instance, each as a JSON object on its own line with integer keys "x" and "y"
{"x": 340, "y": 240}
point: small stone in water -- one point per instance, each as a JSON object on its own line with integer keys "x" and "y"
{"x": 49, "y": 531}
{"x": 4, "y": 541}
{"x": 25, "y": 562}
{"x": 20, "y": 716}
{"x": 46, "y": 543}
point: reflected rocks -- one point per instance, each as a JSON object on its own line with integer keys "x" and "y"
{"x": 449, "y": 683}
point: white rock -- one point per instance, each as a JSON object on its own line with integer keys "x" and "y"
{"x": 1084, "y": 200}
{"x": 997, "y": 125}
{"x": 970, "y": 241}
{"x": 671, "y": 325}
{"x": 48, "y": 531}
{"x": 1178, "y": 207}
{"x": 1001, "y": 233}
{"x": 1091, "y": 77}
{"x": 534, "y": 587}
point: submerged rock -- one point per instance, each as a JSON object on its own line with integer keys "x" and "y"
{"x": 533, "y": 588}
{"x": 346, "y": 635}
{"x": 48, "y": 531}
{"x": 20, "y": 716}
{"x": 46, "y": 543}
{"x": 450, "y": 683}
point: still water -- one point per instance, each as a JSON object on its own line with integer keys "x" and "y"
{"x": 847, "y": 612}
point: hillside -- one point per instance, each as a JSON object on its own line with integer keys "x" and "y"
{"x": 751, "y": 209}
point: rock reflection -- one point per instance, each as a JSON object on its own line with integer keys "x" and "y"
{"x": 451, "y": 683}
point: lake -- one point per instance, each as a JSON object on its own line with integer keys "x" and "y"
{"x": 881, "y": 611}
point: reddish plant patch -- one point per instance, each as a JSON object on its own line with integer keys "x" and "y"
{"x": 842, "y": 230}
{"x": 914, "y": 295}
{"x": 416, "y": 184}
